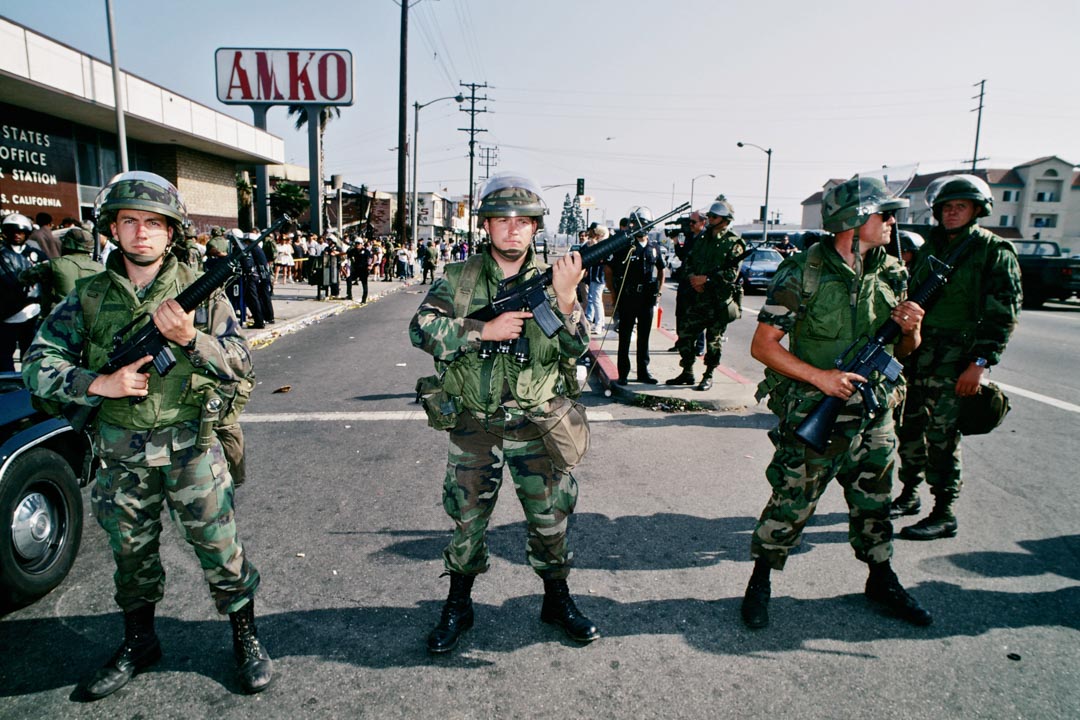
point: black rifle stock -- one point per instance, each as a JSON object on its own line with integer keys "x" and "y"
{"x": 815, "y": 430}
{"x": 531, "y": 294}
{"x": 148, "y": 340}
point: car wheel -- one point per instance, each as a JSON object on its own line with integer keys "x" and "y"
{"x": 42, "y": 524}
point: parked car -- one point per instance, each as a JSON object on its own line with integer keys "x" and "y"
{"x": 758, "y": 269}
{"x": 1047, "y": 273}
{"x": 44, "y": 463}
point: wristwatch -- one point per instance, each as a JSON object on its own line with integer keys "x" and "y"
{"x": 980, "y": 362}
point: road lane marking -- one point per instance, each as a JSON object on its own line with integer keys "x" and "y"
{"x": 369, "y": 416}
{"x": 1054, "y": 402}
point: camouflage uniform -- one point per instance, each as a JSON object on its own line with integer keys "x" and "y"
{"x": 861, "y": 453}
{"x": 711, "y": 310}
{"x": 974, "y": 317}
{"x": 493, "y": 430}
{"x": 147, "y": 451}
{"x": 58, "y": 276}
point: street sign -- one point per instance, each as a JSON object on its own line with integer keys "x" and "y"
{"x": 587, "y": 201}
{"x": 277, "y": 76}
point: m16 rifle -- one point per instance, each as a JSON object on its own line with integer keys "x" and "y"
{"x": 148, "y": 340}
{"x": 531, "y": 294}
{"x": 815, "y": 430}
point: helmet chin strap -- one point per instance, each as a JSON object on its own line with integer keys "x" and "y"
{"x": 145, "y": 260}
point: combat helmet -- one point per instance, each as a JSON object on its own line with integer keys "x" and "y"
{"x": 509, "y": 195}
{"x": 139, "y": 190}
{"x": 960, "y": 187}
{"x": 639, "y": 217}
{"x": 982, "y": 412}
{"x": 848, "y": 205}
{"x": 19, "y": 222}
{"x": 721, "y": 208}
{"x": 77, "y": 240}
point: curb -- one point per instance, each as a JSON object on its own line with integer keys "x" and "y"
{"x": 262, "y": 338}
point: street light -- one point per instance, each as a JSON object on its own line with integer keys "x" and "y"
{"x": 416, "y": 153}
{"x": 692, "y": 186}
{"x": 768, "y": 172}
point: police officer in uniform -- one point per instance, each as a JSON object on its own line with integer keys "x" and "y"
{"x": 496, "y": 390}
{"x": 712, "y": 272}
{"x": 161, "y": 450}
{"x": 637, "y": 279}
{"x": 20, "y": 308}
{"x": 810, "y": 302}
{"x": 964, "y": 335}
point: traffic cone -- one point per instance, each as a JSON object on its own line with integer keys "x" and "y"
{"x": 659, "y": 316}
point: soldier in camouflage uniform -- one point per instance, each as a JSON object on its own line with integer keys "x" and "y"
{"x": 58, "y": 276}
{"x": 493, "y": 401}
{"x": 157, "y": 451}
{"x": 810, "y": 301}
{"x": 712, "y": 271}
{"x": 963, "y": 335}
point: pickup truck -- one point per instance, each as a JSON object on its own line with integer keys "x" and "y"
{"x": 1047, "y": 274}
{"x": 44, "y": 464}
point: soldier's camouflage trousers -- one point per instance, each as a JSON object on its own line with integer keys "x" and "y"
{"x": 861, "y": 455}
{"x": 929, "y": 438}
{"x": 691, "y": 326}
{"x": 474, "y": 474}
{"x": 231, "y": 438}
{"x": 128, "y": 500}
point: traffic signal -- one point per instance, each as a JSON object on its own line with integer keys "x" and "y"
{"x": 581, "y": 186}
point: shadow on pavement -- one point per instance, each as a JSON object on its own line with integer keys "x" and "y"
{"x": 665, "y": 541}
{"x": 385, "y": 637}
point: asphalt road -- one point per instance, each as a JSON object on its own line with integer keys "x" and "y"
{"x": 342, "y": 515}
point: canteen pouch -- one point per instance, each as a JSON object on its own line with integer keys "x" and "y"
{"x": 565, "y": 432}
{"x": 440, "y": 407}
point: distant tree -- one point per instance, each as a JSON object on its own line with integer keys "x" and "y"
{"x": 567, "y": 215}
{"x": 288, "y": 199}
{"x": 245, "y": 196}
{"x": 579, "y": 218}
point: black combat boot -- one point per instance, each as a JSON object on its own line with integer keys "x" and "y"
{"x": 139, "y": 651}
{"x": 906, "y": 503}
{"x": 940, "y": 523}
{"x": 686, "y": 377}
{"x": 706, "y": 379}
{"x": 254, "y": 668}
{"x": 884, "y": 589}
{"x": 559, "y": 609}
{"x": 457, "y": 615}
{"x": 755, "y": 603}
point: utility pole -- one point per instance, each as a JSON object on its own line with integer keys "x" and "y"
{"x": 403, "y": 109}
{"x": 118, "y": 91}
{"x": 978, "y": 123}
{"x": 489, "y": 156}
{"x": 472, "y": 130}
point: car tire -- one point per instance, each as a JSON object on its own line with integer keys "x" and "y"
{"x": 42, "y": 518}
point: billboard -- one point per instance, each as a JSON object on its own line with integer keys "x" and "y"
{"x": 250, "y": 76}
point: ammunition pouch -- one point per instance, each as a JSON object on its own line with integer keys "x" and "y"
{"x": 775, "y": 387}
{"x": 565, "y": 431}
{"x": 441, "y": 408}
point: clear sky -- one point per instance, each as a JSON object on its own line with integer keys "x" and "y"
{"x": 640, "y": 97}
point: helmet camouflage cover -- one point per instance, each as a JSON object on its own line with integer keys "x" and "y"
{"x": 850, "y": 204}
{"x": 78, "y": 240}
{"x": 509, "y": 195}
{"x": 140, "y": 190}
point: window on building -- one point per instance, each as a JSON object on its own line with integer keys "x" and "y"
{"x": 1044, "y": 221}
{"x": 1004, "y": 221}
{"x": 1007, "y": 196}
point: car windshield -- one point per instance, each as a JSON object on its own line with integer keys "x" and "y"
{"x": 766, "y": 256}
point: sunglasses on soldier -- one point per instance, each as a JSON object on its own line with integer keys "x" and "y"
{"x": 886, "y": 214}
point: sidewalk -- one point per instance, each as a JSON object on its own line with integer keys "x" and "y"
{"x": 295, "y": 307}
{"x": 730, "y": 391}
